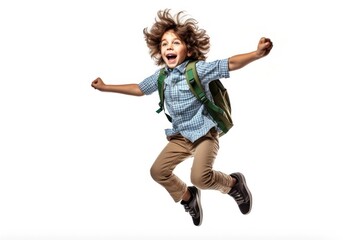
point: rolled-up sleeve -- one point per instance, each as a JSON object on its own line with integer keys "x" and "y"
{"x": 149, "y": 85}
{"x": 224, "y": 68}
{"x": 209, "y": 71}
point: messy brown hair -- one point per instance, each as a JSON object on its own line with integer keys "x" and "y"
{"x": 195, "y": 39}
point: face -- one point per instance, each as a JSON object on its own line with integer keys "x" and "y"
{"x": 173, "y": 50}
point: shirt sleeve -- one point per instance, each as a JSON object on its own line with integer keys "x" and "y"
{"x": 209, "y": 71}
{"x": 149, "y": 84}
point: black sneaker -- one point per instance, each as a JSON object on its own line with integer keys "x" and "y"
{"x": 241, "y": 193}
{"x": 193, "y": 207}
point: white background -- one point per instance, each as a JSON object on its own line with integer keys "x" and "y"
{"x": 74, "y": 162}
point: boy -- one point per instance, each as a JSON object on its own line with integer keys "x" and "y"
{"x": 173, "y": 42}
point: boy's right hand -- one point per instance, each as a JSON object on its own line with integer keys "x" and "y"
{"x": 264, "y": 47}
{"x": 98, "y": 83}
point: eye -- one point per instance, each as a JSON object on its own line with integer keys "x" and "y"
{"x": 163, "y": 44}
{"x": 177, "y": 42}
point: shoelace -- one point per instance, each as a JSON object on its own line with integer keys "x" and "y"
{"x": 238, "y": 197}
{"x": 190, "y": 210}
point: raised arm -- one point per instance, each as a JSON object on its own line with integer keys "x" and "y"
{"x": 238, "y": 61}
{"x": 129, "y": 89}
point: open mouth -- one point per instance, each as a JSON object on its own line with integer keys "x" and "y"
{"x": 171, "y": 57}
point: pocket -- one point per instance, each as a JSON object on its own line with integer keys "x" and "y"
{"x": 175, "y": 136}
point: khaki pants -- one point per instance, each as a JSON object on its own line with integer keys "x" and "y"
{"x": 204, "y": 152}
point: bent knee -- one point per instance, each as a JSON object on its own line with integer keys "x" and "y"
{"x": 155, "y": 173}
{"x": 159, "y": 174}
{"x": 201, "y": 181}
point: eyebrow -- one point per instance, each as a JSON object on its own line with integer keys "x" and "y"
{"x": 162, "y": 40}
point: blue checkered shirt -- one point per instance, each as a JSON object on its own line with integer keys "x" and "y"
{"x": 189, "y": 116}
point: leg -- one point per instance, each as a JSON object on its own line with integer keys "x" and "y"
{"x": 161, "y": 171}
{"x": 202, "y": 173}
{"x": 204, "y": 177}
{"x": 176, "y": 151}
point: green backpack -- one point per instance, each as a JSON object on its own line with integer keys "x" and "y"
{"x": 220, "y": 109}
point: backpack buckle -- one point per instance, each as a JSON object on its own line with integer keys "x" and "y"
{"x": 203, "y": 97}
{"x": 192, "y": 81}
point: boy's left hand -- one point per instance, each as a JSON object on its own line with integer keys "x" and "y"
{"x": 264, "y": 47}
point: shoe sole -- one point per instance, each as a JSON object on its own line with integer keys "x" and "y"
{"x": 198, "y": 199}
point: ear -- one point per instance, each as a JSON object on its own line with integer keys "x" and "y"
{"x": 189, "y": 54}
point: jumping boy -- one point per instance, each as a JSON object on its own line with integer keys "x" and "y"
{"x": 173, "y": 41}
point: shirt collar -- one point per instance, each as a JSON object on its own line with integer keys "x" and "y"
{"x": 181, "y": 68}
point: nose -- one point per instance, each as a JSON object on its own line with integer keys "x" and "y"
{"x": 170, "y": 46}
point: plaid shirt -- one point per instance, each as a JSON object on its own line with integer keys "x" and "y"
{"x": 189, "y": 116}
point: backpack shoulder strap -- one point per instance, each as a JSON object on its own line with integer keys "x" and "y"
{"x": 194, "y": 81}
{"x": 197, "y": 89}
{"x": 160, "y": 82}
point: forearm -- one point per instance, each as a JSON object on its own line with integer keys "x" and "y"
{"x": 128, "y": 89}
{"x": 238, "y": 61}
